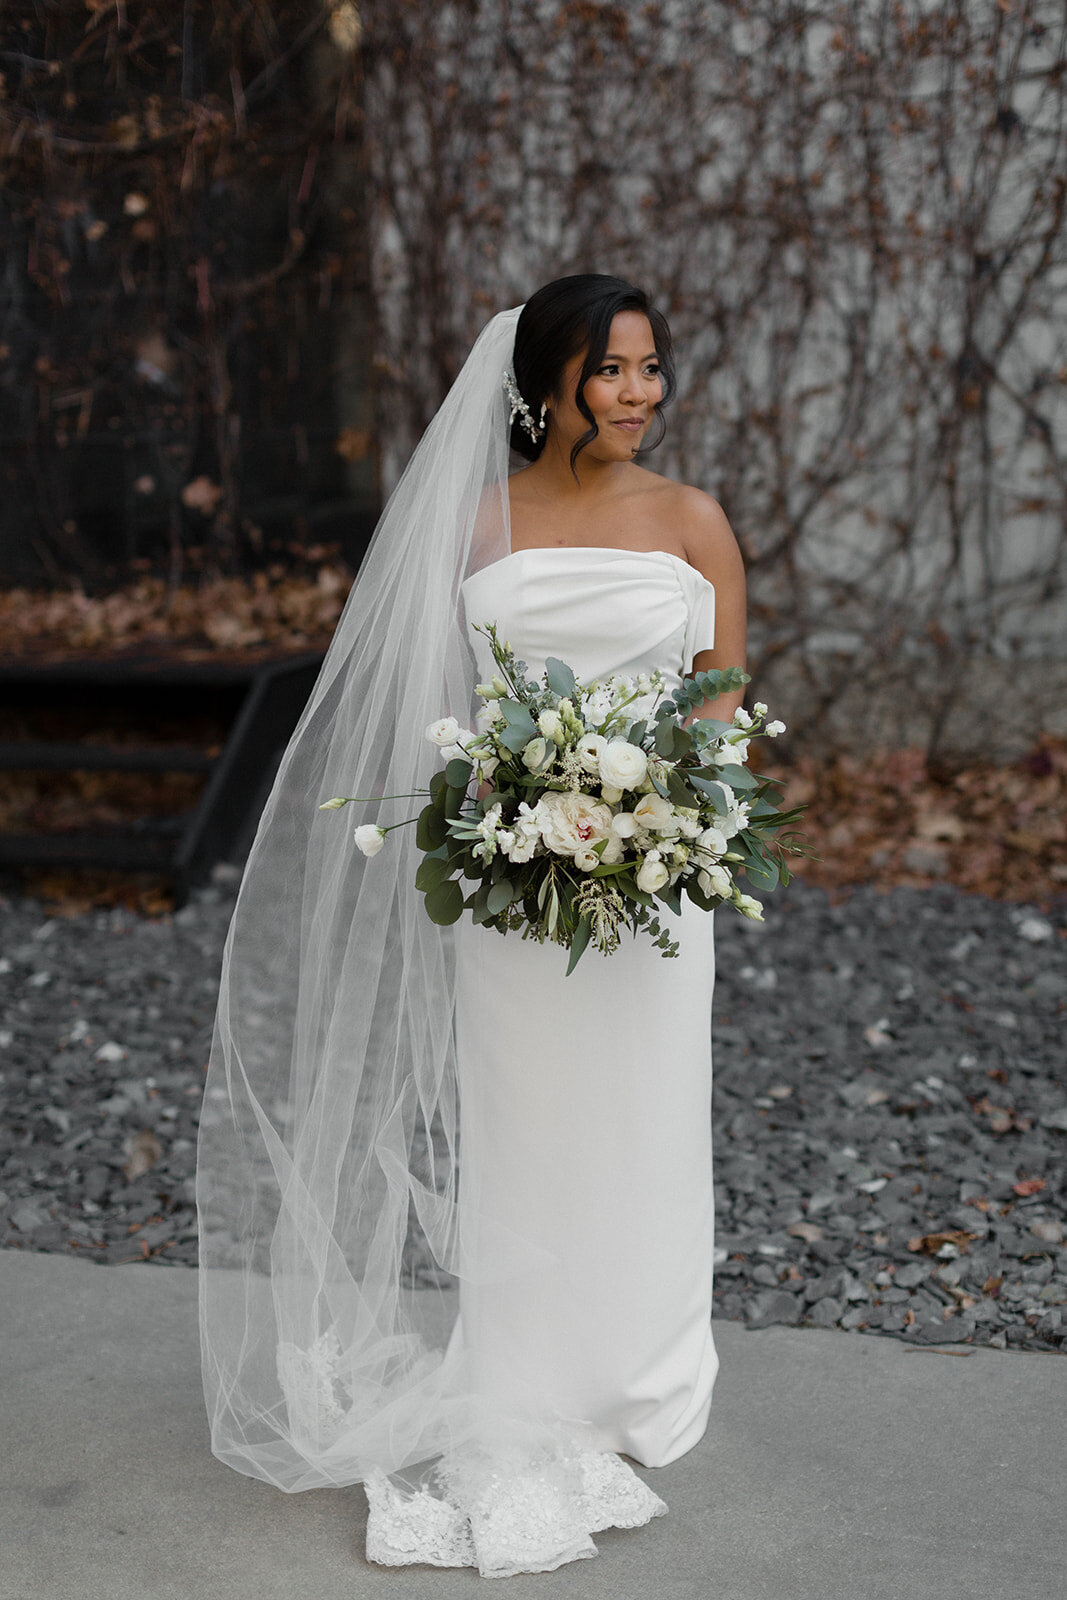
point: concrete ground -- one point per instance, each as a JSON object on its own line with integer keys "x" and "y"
{"x": 835, "y": 1465}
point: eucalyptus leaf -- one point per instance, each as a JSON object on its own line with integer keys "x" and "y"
{"x": 559, "y": 677}
{"x": 444, "y": 903}
{"x": 433, "y": 870}
{"x": 500, "y": 896}
{"x": 762, "y": 872}
{"x": 431, "y": 829}
{"x": 739, "y": 777}
{"x": 458, "y": 773}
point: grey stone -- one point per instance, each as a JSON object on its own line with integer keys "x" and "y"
{"x": 826, "y": 1312}
{"x": 773, "y": 1306}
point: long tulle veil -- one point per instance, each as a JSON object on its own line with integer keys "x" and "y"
{"x": 330, "y": 1230}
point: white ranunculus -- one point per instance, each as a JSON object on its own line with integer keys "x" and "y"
{"x": 571, "y": 822}
{"x": 749, "y": 907}
{"x": 651, "y": 875}
{"x": 533, "y": 755}
{"x": 443, "y": 732}
{"x": 622, "y": 765}
{"x": 653, "y": 811}
{"x": 625, "y": 824}
{"x": 370, "y": 838}
{"x": 589, "y": 747}
{"x": 586, "y": 860}
{"x": 713, "y": 840}
{"x": 715, "y": 880}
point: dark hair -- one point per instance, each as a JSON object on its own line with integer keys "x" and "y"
{"x": 556, "y": 324}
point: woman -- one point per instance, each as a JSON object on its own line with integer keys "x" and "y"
{"x": 456, "y": 1209}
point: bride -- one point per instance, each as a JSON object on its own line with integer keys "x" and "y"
{"x": 456, "y": 1209}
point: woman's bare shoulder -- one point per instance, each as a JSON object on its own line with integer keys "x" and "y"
{"x": 703, "y": 527}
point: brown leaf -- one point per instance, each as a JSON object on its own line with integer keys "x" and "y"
{"x": 145, "y": 1151}
{"x": 992, "y": 1286}
{"x": 1028, "y": 1186}
{"x": 932, "y": 1242}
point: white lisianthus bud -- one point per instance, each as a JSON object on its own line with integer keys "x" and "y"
{"x": 486, "y": 766}
{"x": 334, "y": 804}
{"x": 651, "y": 875}
{"x": 749, "y": 907}
{"x": 589, "y": 747}
{"x": 533, "y": 755}
{"x": 550, "y": 724}
{"x": 653, "y": 811}
{"x": 760, "y": 709}
{"x": 715, "y": 880}
{"x": 500, "y": 688}
{"x": 625, "y": 825}
{"x": 586, "y": 860}
{"x": 612, "y": 796}
{"x": 443, "y": 732}
{"x": 369, "y": 837}
{"x": 773, "y": 729}
{"x": 623, "y": 765}
{"x": 485, "y": 691}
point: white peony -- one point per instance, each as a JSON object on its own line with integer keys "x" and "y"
{"x": 622, "y": 765}
{"x": 571, "y": 822}
{"x": 653, "y": 811}
{"x": 651, "y": 875}
{"x": 589, "y": 747}
{"x": 443, "y": 732}
{"x": 370, "y": 838}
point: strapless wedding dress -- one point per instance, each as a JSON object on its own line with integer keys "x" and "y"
{"x": 585, "y": 1143}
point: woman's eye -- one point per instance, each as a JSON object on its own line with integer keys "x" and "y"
{"x": 653, "y": 372}
{"x": 609, "y": 371}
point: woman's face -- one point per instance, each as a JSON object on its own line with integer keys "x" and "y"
{"x": 621, "y": 394}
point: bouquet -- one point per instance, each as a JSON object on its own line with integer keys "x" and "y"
{"x": 592, "y": 806}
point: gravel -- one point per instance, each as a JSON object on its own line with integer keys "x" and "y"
{"x": 890, "y": 1103}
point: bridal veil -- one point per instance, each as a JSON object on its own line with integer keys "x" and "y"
{"x": 331, "y": 1237}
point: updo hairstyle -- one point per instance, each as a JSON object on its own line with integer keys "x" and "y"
{"x": 558, "y": 322}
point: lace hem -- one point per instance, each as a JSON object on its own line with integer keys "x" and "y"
{"x": 505, "y": 1515}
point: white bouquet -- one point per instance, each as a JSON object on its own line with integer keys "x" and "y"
{"x": 593, "y": 804}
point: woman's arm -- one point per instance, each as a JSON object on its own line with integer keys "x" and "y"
{"x": 711, "y": 546}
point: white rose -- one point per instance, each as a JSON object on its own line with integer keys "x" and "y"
{"x": 533, "y": 755}
{"x": 713, "y": 840}
{"x": 370, "y": 838}
{"x": 450, "y": 752}
{"x": 749, "y": 907}
{"x": 622, "y": 765}
{"x": 586, "y": 860}
{"x": 625, "y": 825}
{"x": 444, "y": 732}
{"x": 651, "y": 875}
{"x": 571, "y": 822}
{"x": 653, "y": 811}
{"x": 715, "y": 880}
{"x": 589, "y": 747}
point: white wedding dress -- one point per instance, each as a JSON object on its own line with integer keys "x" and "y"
{"x": 585, "y": 1146}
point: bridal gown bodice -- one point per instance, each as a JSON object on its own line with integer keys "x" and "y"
{"x": 585, "y": 1143}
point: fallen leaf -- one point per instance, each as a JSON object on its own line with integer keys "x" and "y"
{"x": 933, "y": 1242}
{"x": 1028, "y": 1186}
{"x": 145, "y": 1151}
{"x": 992, "y": 1286}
